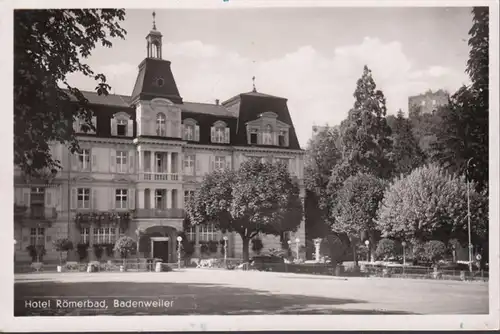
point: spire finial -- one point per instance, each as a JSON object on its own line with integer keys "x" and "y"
{"x": 154, "y": 22}
{"x": 253, "y": 80}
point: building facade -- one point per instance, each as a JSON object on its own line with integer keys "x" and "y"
{"x": 428, "y": 102}
{"x": 149, "y": 153}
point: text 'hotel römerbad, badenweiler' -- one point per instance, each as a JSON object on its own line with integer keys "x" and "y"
{"x": 149, "y": 152}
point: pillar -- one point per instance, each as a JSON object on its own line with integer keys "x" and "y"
{"x": 169, "y": 163}
{"x": 220, "y": 248}
{"x": 169, "y": 197}
{"x": 152, "y": 166}
{"x": 141, "y": 161}
{"x": 140, "y": 198}
{"x": 197, "y": 250}
{"x": 152, "y": 195}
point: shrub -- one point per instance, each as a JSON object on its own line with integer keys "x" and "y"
{"x": 386, "y": 248}
{"x": 62, "y": 245}
{"x": 212, "y": 246}
{"x": 98, "y": 250}
{"x": 125, "y": 246}
{"x": 204, "y": 248}
{"x": 109, "y": 249}
{"x": 257, "y": 245}
{"x": 187, "y": 248}
{"x": 36, "y": 252}
{"x": 434, "y": 250}
{"x": 82, "y": 250}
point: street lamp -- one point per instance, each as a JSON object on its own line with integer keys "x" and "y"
{"x": 289, "y": 242}
{"x": 138, "y": 233}
{"x": 367, "y": 243}
{"x": 179, "y": 239}
{"x": 225, "y": 250}
{"x": 297, "y": 240}
{"x": 468, "y": 212}
{"x": 404, "y": 255}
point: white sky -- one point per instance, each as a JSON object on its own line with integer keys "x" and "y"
{"x": 312, "y": 56}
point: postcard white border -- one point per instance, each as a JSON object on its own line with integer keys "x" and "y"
{"x": 261, "y": 322}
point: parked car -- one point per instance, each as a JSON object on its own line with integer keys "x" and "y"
{"x": 267, "y": 263}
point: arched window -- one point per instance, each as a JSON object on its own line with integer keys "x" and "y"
{"x": 268, "y": 135}
{"x": 160, "y": 125}
{"x": 220, "y": 132}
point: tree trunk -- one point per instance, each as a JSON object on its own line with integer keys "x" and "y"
{"x": 246, "y": 242}
{"x": 355, "y": 258}
{"x": 60, "y": 258}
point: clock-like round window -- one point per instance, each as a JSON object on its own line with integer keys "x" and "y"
{"x": 160, "y": 82}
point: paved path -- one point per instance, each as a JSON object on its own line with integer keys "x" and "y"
{"x": 204, "y": 291}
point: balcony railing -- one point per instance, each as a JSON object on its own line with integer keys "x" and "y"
{"x": 150, "y": 176}
{"x": 37, "y": 213}
{"x": 159, "y": 213}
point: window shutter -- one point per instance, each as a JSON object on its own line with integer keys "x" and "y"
{"x": 113, "y": 127}
{"x": 112, "y": 197}
{"x": 94, "y": 199}
{"x": 212, "y": 134}
{"x": 26, "y": 197}
{"x": 259, "y": 138}
{"x": 131, "y": 162}
{"x": 73, "y": 198}
{"x": 197, "y": 133}
{"x": 212, "y": 164}
{"x": 131, "y": 199}
{"x": 226, "y": 135}
{"x": 94, "y": 162}
{"x": 48, "y": 197}
{"x": 74, "y": 161}
{"x": 197, "y": 164}
{"x": 275, "y": 139}
{"x": 130, "y": 128}
{"x": 112, "y": 158}
{"x": 183, "y": 129}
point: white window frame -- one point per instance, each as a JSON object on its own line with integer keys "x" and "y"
{"x": 189, "y": 161}
{"x": 121, "y": 161}
{"x": 189, "y": 132}
{"x": 159, "y": 198}
{"x": 84, "y": 194}
{"x": 37, "y": 236}
{"x": 121, "y": 198}
{"x": 84, "y": 159}
{"x": 219, "y": 162}
{"x": 85, "y": 235}
{"x": 191, "y": 233}
{"x": 267, "y": 135}
{"x": 121, "y": 122}
{"x": 161, "y": 125}
{"x": 208, "y": 232}
{"x": 282, "y": 133}
{"x": 104, "y": 234}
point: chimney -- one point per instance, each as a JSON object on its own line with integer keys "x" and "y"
{"x": 217, "y": 102}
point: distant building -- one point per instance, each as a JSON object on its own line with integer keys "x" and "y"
{"x": 429, "y": 101}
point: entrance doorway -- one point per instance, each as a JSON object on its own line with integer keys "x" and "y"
{"x": 160, "y": 248}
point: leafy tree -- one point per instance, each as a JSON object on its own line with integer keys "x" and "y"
{"x": 333, "y": 246}
{"x": 386, "y": 248}
{"x": 434, "y": 250}
{"x": 431, "y": 204}
{"x": 322, "y": 155}
{"x": 258, "y": 198}
{"x": 62, "y": 245}
{"x": 49, "y": 45}
{"x": 407, "y": 154}
{"x": 356, "y": 206}
{"x": 125, "y": 246}
{"x": 365, "y": 135}
{"x": 464, "y": 131}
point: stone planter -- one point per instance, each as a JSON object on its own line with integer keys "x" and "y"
{"x": 122, "y": 269}
{"x": 158, "y": 267}
{"x": 59, "y": 269}
{"x": 37, "y": 266}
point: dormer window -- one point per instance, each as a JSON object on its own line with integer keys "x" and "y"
{"x": 190, "y": 130}
{"x": 268, "y": 135}
{"x": 161, "y": 129}
{"x": 122, "y": 125}
{"x": 220, "y": 133}
{"x": 254, "y": 137}
{"x": 282, "y": 138}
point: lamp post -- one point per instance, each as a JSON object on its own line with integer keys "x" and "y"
{"x": 138, "y": 233}
{"x": 297, "y": 240}
{"x": 289, "y": 242}
{"x": 468, "y": 212}
{"x": 404, "y": 255}
{"x": 179, "y": 239}
{"x": 367, "y": 243}
{"x": 225, "y": 250}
